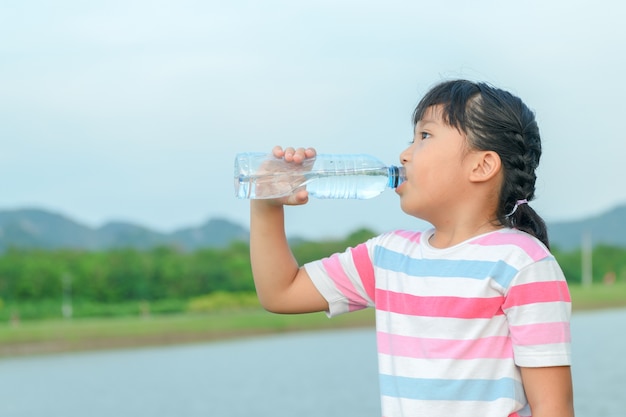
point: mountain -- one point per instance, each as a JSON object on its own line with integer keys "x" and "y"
{"x": 607, "y": 228}
{"x": 43, "y": 229}
{"x": 36, "y": 228}
{"x": 214, "y": 233}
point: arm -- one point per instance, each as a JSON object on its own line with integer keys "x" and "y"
{"x": 282, "y": 286}
{"x": 549, "y": 391}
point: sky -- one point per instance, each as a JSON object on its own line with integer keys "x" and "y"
{"x": 134, "y": 110}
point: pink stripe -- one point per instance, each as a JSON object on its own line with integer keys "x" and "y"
{"x": 342, "y": 281}
{"x": 455, "y": 307}
{"x": 364, "y": 267}
{"x": 410, "y": 235}
{"x": 530, "y": 246}
{"x": 537, "y": 292}
{"x": 496, "y": 347}
{"x": 541, "y": 333}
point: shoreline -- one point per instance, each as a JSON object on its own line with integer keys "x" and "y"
{"x": 83, "y": 336}
{"x": 89, "y": 335}
{"x": 53, "y": 347}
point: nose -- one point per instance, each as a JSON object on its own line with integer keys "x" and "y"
{"x": 404, "y": 156}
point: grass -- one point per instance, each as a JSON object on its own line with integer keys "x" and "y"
{"x": 51, "y": 336}
{"x": 598, "y": 296}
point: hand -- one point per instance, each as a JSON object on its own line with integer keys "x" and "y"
{"x": 293, "y": 155}
{"x": 289, "y": 159}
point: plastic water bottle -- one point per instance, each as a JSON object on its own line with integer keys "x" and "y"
{"x": 261, "y": 175}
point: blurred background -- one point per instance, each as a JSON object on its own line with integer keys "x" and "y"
{"x": 119, "y": 228}
{"x": 135, "y": 110}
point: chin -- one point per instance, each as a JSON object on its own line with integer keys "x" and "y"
{"x": 405, "y": 207}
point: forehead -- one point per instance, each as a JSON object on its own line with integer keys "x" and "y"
{"x": 434, "y": 118}
{"x": 433, "y": 114}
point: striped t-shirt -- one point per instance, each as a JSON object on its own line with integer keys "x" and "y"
{"x": 454, "y": 325}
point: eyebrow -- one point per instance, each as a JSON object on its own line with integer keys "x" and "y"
{"x": 424, "y": 122}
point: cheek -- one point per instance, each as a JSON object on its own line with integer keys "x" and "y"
{"x": 424, "y": 167}
{"x": 436, "y": 163}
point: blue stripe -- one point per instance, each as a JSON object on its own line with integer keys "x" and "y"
{"x": 499, "y": 271}
{"x": 451, "y": 389}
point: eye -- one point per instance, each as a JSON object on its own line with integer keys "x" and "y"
{"x": 422, "y": 136}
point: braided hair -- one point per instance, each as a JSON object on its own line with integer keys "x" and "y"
{"x": 495, "y": 120}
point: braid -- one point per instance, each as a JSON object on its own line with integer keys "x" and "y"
{"x": 503, "y": 123}
{"x": 519, "y": 174}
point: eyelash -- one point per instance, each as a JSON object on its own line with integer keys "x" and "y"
{"x": 412, "y": 141}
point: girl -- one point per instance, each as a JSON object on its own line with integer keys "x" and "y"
{"x": 472, "y": 316}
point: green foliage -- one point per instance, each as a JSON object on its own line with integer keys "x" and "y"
{"x": 598, "y": 296}
{"x": 310, "y": 251}
{"x": 608, "y": 264}
{"x": 31, "y": 310}
{"x": 570, "y": 263}
{"x": 34, "y": 283}
{"x": 129, "y": 282}
{"x": 220, "y": 301}
{"x": 122, "y": 274}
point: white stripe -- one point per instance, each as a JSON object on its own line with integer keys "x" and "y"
{"x": 542, "y": 271}
{"x": 440, "y": 327}
{"x": 436, "y": 286}
{"x": 539, "y": 313}
{"x": 448, "y": 368}
{"x": 556, "y": 354}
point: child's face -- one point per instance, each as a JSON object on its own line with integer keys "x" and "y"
{"x": 436, "y": 169}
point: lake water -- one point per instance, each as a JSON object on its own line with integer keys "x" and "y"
{"x": 329, "y": 373}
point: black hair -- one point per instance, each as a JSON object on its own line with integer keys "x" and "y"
{"x": 495, "y": 120}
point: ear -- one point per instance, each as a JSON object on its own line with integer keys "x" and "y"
{"x": 485, "y": 166}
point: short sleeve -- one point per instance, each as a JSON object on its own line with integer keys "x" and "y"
{"x": 538, "y": 309}
{"x": 346, "y": 280}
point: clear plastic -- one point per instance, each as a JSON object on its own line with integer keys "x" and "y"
{"x": 262, "y": 176}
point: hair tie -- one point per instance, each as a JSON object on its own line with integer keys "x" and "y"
{"x": 517, "y": 204}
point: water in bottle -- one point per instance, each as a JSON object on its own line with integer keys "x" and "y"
{"x": 261, "y": 175}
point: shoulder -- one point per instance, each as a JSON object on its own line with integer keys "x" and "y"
{"x": 401, "y": 241}
{"x": 414, "y": 237}
{"x": 514, "y": 243}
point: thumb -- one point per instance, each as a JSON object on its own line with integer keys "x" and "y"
{"x": 298, "y": 198}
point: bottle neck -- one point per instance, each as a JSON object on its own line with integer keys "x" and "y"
{"x": 396, "y": 176}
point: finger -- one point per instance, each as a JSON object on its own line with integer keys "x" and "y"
{"x": 299, "y": 155}
{"x": 299, "y": 198}
{"x": 303, "y": 197}
{"x": 278, "y": 151}
{"x": 289, "y": 153}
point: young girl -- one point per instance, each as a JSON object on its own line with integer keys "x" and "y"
{"x": 472, "y": 316}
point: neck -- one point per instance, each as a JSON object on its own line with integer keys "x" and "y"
{"x": 461, "y": 224}
{"x": 447, "y": 237}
